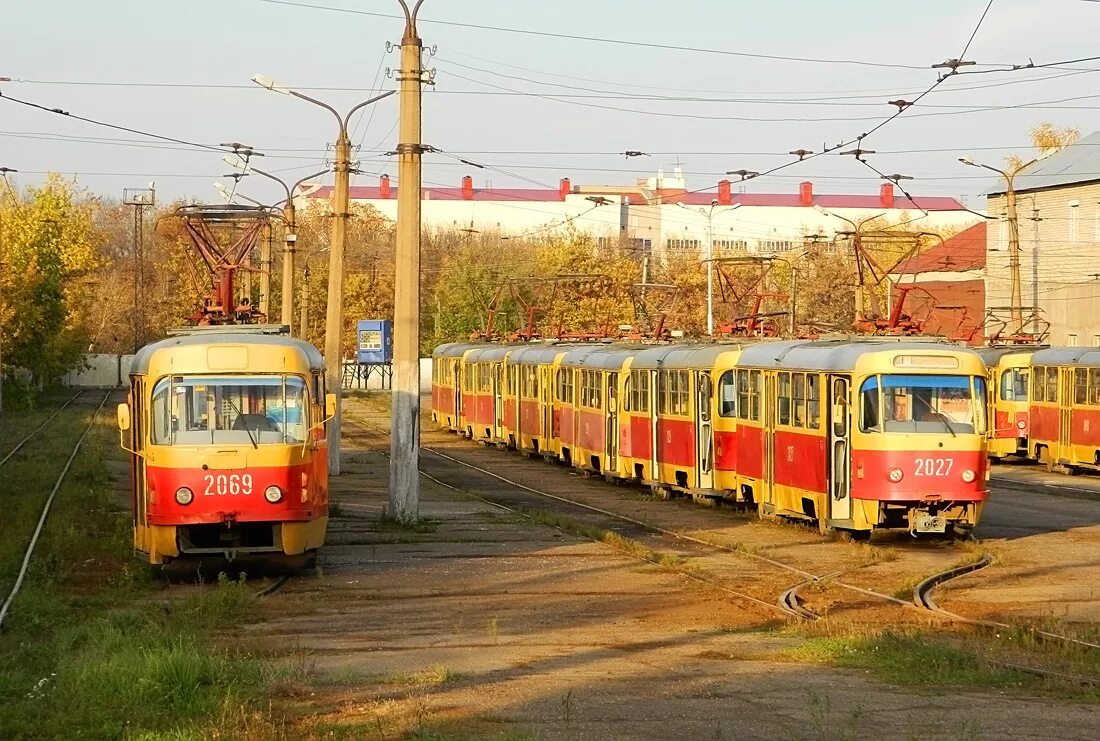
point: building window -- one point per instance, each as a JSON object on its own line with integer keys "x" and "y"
{"x": 1096, "y": 340}
{"x": 1071, "y": 340}
{"x": 1074, "y": 211}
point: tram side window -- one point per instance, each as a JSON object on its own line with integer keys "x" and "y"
{"x": 813, "y": 401}
{"x": 679, "y": 391}
{"x": 742, "y": 394}
{"x": 1052, "y": 384}
{"x": 1094, "y": 386}
{"x": 565, "y": 385}
{"x": 798, "y": 399}
{"x": 639, "y": 391}
{"x": 783, "y": 399}
{"x": 754, "y": 395}
{"x": 1038, "y": 384}
{"x": 1080, "y": 386}
{"x": 727, "y": 395}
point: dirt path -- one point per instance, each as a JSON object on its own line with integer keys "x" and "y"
{"x": 484, "y": 624}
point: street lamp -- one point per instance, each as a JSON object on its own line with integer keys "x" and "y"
{"x": 708, "y": 214}
{"x": 291, "y": 232}
{"x": 334, "y": 325}
{"x": 1013, "y": 233}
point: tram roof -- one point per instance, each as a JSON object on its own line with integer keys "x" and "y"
{"x": 537, "y": 354}
{"x": 835, "y": 355}
{"x": 1088, "y": 356}
{"x": 485, "y": 353}
{"x": 453, "y": 349}
{"x": 598, "y": 356}
{"x": 144, "y": 356}
{"x": 994, "y": 354}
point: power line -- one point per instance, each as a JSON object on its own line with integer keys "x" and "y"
{"x": 117, "y": 127}
{"x": 603, "y": 39}
{"x": 975, "y": 31}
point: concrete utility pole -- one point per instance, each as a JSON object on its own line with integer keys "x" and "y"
{"x": 708, "y": 214}
{"x": 1035, "y": 219}
{"x": 1013, "y": 235}
{"x": 405, "y": 424}
{"x": 334, "y": 320}
{"x": 265, "y": 271}
{"x": 139, "y": 198}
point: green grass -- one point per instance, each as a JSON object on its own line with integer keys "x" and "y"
{"x": 906, "y": 657}
{"x": 91, "y": 648}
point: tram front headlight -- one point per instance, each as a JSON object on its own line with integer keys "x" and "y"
{"x": 184, "y": 496}
{"x": 968, "y": 476}
{"x": 895, "y": 474}
{"x": 273, "y": 494}
{"x": 1020, "y": 424}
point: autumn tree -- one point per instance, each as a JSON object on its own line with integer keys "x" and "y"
{"x": 50, "y": 249}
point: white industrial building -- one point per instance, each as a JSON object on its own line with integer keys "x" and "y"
{"x": 661, "y": 213}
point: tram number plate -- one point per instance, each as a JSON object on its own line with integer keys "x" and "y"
{"x": 233, "y": 484}
{"x": 931, "y": 523}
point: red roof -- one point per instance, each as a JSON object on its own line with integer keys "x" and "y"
{"x": 965, "y": 251}
{"x": 791, "y": 200}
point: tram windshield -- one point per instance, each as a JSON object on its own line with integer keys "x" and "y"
{"x": 229, "y": 410}
{"x": 923, "y": 404}
{"x": 1014, "y": 384}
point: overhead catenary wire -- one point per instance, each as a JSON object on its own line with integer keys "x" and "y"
{"x": 601, "y": 39}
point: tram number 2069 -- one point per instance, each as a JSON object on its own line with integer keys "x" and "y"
{"x": 233, "y": 484}
{"x": 933, "y": 466}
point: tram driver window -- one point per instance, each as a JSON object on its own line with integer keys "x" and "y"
{"x": 869, "y": 406}
{"x": 727, "y": 395}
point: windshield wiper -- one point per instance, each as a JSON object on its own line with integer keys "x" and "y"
{"x": 939, "y": 416}
{"x": 247, "y": 431}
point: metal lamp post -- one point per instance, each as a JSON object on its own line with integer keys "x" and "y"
{"x": 1013, "y": 234}
{"x": 334, "y": 325}
{"x": 708, "y": 214}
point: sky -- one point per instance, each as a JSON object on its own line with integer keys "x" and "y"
{"x": 533, "y": 107}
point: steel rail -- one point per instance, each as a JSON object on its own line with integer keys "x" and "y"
{"x": 691, "y": 575}
{"x": 46, "y": 511}
{"x": 928, "y": 584}
{"x": 24, "y": 441}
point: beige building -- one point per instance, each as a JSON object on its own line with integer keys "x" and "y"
{"x": 1058, "y": 210}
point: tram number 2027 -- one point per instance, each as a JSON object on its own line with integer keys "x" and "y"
{"x": 933, "y": 466}
{"x": 233, "y": 484}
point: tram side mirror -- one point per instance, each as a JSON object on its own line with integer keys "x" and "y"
{"x": 124, "y": 416}
{"x": 330, "y": 405}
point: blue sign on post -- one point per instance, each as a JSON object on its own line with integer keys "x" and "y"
{"x": 374, "y": 341}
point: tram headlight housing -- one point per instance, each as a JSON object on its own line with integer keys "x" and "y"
{"x": 273, "y": 494}
{"x": 184, "y": 496}
{"x": 895, "y": 474}
{"x": 968, "y": 476}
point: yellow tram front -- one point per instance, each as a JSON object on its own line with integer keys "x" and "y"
{"x": 227, "y": 443}
{"x": 1010, "y": 416}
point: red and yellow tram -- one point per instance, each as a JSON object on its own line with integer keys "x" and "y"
{"x": 1010, "y": 418}
{"x": 227, "y": 442}
{"x": 853, "y": 434}
{"x": 1065, "y": 407}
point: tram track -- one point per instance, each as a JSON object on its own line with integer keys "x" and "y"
{"x": 19, "y": 445}
{"x": 790, "y": 602}
{"x": 29, "y": 552}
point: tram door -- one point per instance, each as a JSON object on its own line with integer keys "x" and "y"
{"x": 654, "y": 394}
{"x": 546, "y": 394}
{"x": 458, "y": 393}
{"x": 611, "y": 433}
{"x": 1065, "y": 407}
{"x": 498, "y": 401}
{"x": 840, "y": 466}
{"x": 704, "y": 432}
{"x": 768, "y": 403}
